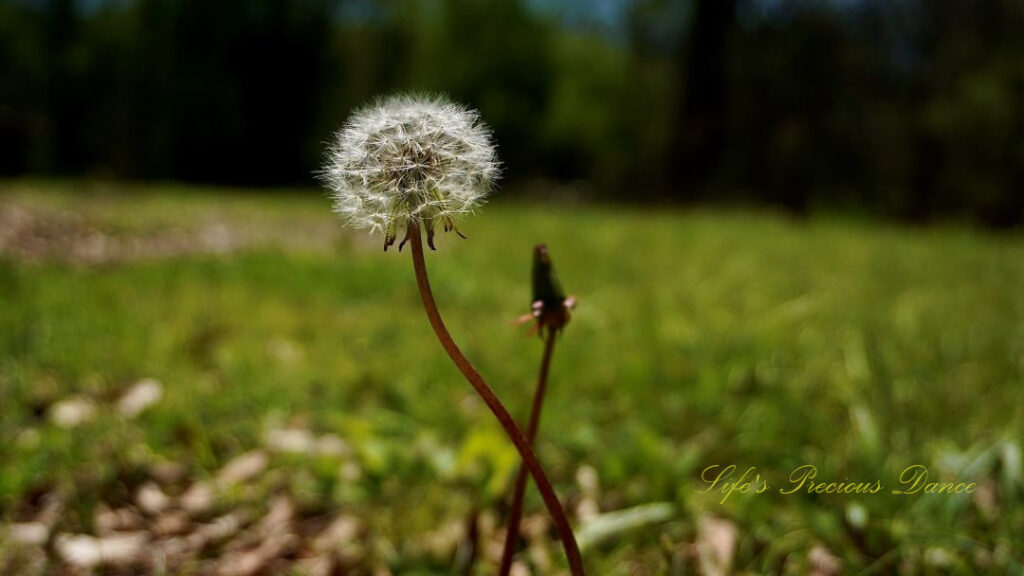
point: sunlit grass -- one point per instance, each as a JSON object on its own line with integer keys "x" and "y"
{"x": 701, "y": 338}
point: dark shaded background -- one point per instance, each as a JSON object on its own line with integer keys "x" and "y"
{"x": 909, "y": 109}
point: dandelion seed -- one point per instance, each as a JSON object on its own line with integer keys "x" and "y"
{"x": 410, "y": 160}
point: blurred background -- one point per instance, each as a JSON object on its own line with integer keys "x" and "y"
{"x": 910, "y": 109}
{"x": 793, "y": 228}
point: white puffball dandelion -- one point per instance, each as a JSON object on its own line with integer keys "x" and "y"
{"x": 410, "y": 161}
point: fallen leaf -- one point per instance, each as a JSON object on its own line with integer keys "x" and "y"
{"x": 88, "y": 551}
{"x": 29, "y": 533}
{"x": 716, "y": 544}
{"x": 139, "y": 397}
{"x": 822, "y": 562}
{"x": 72, "y": 412}
{"x": 151, "y": 499}
{"x": 242, "y": 468}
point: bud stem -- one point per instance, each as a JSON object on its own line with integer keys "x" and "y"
{"x": 485, "y": 392}
{"x": 516, "y": 511}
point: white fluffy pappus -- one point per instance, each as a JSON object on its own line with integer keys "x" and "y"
{"x": 410, "y": 159}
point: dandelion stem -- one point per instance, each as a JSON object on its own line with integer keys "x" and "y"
{"x": 516, "y": 511}
{"x": 547, "y": 492}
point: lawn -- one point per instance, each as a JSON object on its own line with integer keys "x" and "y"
{"x": 295, "y": 388}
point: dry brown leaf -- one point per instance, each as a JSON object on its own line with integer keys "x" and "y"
{"x": 716, "y": 544}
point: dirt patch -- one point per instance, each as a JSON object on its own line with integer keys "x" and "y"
{"x": 34, "y": 234}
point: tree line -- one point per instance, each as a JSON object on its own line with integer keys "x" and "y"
{"x": 905, "y": 108}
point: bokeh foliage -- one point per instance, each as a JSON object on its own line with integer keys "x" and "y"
{"x": 908, "y": 108}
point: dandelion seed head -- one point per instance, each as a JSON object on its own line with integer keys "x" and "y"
{"x": 410, "y": 159}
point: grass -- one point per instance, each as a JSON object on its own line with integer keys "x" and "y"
{"x": 701, "y": 338}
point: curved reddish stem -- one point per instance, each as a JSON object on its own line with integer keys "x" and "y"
{"x": 530, "y": 461}
{"x": 516, "y": 511}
